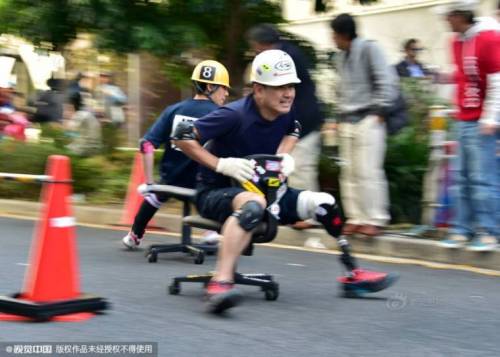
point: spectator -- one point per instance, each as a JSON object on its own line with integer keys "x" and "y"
{"x": 110, "y": 100}
{"x": 12, "y": 122}
{"x": 306, "y": 107}
{"x": 49, "y": 104}
{"x": 366, "y": 89}
{"x": 476, "y": 55}
{"x": 73, "y": 90}
{"x": 84, "y": 128}
{"x": 410, "y": 66}
{"x": 498, "y": 143}
{"x": 211, "y": 83}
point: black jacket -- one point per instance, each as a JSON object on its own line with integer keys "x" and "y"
{"x": 403, "y": 71}
{"x": 306, "y": 105}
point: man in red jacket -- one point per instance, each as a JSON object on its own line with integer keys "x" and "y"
{"x": 476, "y": 55}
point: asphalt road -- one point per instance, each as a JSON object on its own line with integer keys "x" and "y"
{"x": 427, "y": 313}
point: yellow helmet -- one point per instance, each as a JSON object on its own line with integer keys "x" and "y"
{"x": 212, "y": 72}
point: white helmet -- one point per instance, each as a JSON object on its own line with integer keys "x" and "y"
{"x": 273, "y": 68}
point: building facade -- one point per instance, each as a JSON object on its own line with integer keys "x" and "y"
{"x": 389, "y": 22}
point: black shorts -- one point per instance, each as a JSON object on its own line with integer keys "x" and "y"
{"x": 216, "y": 203}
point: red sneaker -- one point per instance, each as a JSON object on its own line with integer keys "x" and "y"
{"x": 221, "y": 295}
{"x": 366, "y": 281}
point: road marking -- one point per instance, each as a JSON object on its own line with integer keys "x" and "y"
{"x": 295, "y": 265}
{"x": 374, "y": 258}
{"x": 22, "y": 264}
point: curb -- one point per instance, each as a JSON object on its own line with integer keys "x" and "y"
{"x": 387, "y": 245}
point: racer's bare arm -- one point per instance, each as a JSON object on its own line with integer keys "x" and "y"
{"x": 287, "y": 144}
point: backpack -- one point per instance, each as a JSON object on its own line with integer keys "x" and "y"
{"x": 396, "y": 117}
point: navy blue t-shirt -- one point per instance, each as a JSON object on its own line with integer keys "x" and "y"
{"x": 175, "y": 167}
{"x": 238, "y": 130}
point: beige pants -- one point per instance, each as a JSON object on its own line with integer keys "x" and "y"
{"x": 306, "y": 154}
{"x": 362, "y": 180}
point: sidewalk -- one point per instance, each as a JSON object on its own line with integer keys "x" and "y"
{"x": 389, "y": 245}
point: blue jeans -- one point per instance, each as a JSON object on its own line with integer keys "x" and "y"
{"x": 475, "y": 184}
{"x": 498, "y": 182}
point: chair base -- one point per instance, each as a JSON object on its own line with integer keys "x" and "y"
{"x": 196, "y": 250}
{"x": 264, "y": 281}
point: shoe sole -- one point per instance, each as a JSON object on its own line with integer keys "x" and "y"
{"x": 452, "y": 246}
{"x": 222, "y": 302}
{"x": 480, "y": 249}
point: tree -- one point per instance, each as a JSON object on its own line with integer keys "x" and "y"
{"x": 170, "y": 29}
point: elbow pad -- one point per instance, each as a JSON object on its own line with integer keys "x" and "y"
{"x": 146, "y": 146}
{"x": 296, "y": 130}
{"x": 184, "y": 131}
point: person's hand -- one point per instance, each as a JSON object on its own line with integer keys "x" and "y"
{"x": 145, "y": 189}
{"x": 380, "y": 119}
{"x": 287, "y": 164}
{"x": 488, "y": 128}
{"x": 240, "y": 169}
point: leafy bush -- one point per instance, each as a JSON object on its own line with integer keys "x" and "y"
{"x": 405, "y": 165}
{"x": 103, "y": 179}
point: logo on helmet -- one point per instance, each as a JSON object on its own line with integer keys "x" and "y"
{"x": 283, "y": 65}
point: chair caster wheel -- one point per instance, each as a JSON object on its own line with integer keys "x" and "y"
{"x": 174, "y": 289}
{"x": 200, "y": 258}
{"x": 272, "y": 294}
{"x": 152, "y": 257}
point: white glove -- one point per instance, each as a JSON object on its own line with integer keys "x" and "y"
{"x": 240, "y": 169}
{"x": 287, "y": 164}
{"x": 144, "y": 189}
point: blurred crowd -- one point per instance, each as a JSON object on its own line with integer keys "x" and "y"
{"x": 79, "y": 107}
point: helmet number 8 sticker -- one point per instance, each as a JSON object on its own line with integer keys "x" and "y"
{"x": 207, "y": 72}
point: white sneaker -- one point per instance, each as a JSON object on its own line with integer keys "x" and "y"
{"x": 210, "y": 237}
{"x": 454, "y": 241}
{"x": 131, "y": 241}
{"x": 485, "y": 243}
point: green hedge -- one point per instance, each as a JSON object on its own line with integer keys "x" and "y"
{"x": 103, "y": 179}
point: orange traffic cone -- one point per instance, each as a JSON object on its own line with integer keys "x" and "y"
{"x": 134, "y": 200}
{"x": 52, "y": 285}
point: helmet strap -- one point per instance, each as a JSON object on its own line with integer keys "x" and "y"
{"x": 206, "y": 92}
{"x": 210, "y": 92}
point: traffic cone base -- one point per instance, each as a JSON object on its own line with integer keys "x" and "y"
{"x": 82, "y": 316}
{"x": 34, "y": 311}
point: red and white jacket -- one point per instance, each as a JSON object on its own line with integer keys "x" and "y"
{"x": 476, "y": 55}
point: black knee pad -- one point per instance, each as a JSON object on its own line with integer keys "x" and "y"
{"x": 250, "y": 215}
{"x": 330, "y": 217}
